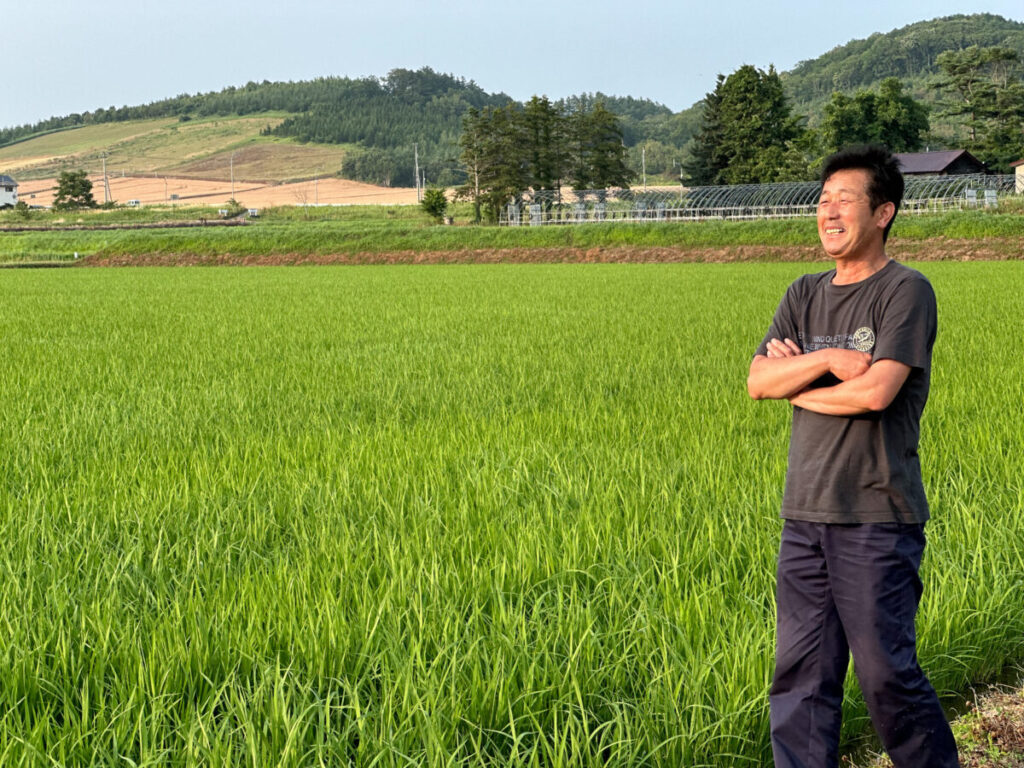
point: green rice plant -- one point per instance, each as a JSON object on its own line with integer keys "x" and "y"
{"x": 463, "y": 515}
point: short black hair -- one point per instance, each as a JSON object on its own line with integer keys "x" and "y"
{"x": 886, "y": 180}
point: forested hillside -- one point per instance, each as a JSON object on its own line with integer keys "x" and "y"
{"x": 397, "y": 120}
{"x": 385, "y": 118}
{"x": 908, "y": 53}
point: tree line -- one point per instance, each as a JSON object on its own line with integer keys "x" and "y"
{"x": 909, "y": 53}
{"x": 540, "y": 146}
{"x": 307, "y": 101}
{"x": 387, "y": 120}
{"x": 958, "y": 86}
{"x": 749, "y": 134}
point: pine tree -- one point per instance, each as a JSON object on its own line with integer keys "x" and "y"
{"x": 748, "y": 135}
{"x": 494, "y": 147}
{"x": 597, "y": 156}
{"x": 471, "y": 155}
{"x": 986, "y": 86}
{"x": 545, "y": 135}
{"x": 706, "y": 159}
{"x": 74, "y": 190}
{"x": 607, "y": 152}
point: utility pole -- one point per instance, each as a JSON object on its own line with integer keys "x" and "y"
{"x": 416, "y": 160}
{"x": 232, "y": 175}
{"x": 106, "y": 184}
{"x": 643, "y": 164}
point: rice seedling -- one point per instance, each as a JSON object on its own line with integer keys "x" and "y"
{"x": 463, "y": 515}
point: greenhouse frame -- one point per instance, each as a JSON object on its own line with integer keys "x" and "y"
{"x": 740, "y": 201}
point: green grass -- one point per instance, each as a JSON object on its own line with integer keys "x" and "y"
{"x": 72, "y": 141}
{"x": 366, "y": 229}
{"x": 520, "y": 516}
{"x": 98, "y": 217}
{"x": 290, "y": 214}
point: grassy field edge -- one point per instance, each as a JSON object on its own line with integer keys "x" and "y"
{"x": 405, "y": 235}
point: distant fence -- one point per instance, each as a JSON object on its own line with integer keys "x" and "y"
{"x": 740, "y": 201}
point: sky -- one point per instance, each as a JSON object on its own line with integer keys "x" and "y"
{"x": 65, "y": 56}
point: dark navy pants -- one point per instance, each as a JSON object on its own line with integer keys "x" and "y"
{"x": 843, "y": 589}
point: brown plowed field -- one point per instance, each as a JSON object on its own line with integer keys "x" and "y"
{"x": 936, "y": 249}
{"x": 158, "y": 190}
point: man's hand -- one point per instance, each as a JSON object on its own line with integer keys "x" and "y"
{"x": 844, "y": 364}
{"x": 785, "y": 370}
{"x": 784, "y": 348}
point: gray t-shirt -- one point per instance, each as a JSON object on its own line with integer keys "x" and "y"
{"x": 860, "y": 469}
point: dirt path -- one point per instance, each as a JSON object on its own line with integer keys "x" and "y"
{"x": 936, "y": 249}
{"x": 989, "y": 735}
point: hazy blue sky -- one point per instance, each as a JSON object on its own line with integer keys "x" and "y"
{"x": 64, "y": 56}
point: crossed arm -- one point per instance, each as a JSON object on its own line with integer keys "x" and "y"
{"x": 785, "y": 373}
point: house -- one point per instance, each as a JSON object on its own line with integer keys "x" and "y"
{"x": 1018, "y": 170}
{"x": 8, "y": 191}
{"x": 946, "y": 163}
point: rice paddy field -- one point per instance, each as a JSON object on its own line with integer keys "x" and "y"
{"x": 502, "y": 515}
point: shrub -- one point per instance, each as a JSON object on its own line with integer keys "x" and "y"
{"x": 435, "y": 203}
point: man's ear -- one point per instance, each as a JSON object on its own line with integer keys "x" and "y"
{"x": 884, "y": 214}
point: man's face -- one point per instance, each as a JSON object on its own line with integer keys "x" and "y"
{"x": 846, "y": 224}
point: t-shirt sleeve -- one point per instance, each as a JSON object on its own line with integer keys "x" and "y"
{"x": 784, "y": 322}
{"x": 906, "y": 331}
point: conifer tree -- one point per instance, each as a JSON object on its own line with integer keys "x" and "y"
{"x": 748, "y": 135}
{"x": 986, "y": 87}
{"x": 74, "y": 190}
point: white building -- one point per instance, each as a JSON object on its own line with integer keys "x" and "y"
{"x": 1018, "y": 168}
{"x": 8, "y": 191}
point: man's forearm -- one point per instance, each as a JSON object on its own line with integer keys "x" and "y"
{"x": 873, "y": 391}
{"x": 779, "y": 378}
{"x": 843, "y": 399}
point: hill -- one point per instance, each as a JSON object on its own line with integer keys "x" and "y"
{"x": 386, "y": 116}
{"x": 367, "y": 128}
{"x": 376, "y": 121}
{"x": 210, "y": 149}
{"x": 908, "y": 53}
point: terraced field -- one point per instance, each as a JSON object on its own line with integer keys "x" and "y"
{"x": 197, "y": 149}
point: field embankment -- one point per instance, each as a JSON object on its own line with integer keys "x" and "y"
{"x": 390, "y": 235}
{"x": 989, "y": 734}
{"x": 928, "y": 250}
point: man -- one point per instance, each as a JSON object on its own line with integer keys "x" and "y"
{"x": 851, "y": 350}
